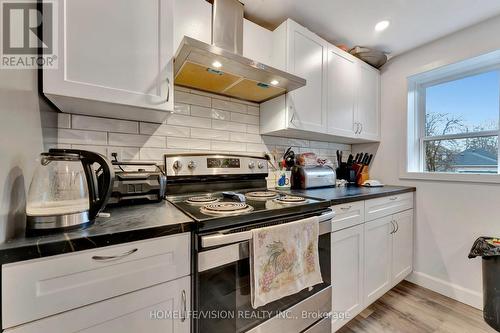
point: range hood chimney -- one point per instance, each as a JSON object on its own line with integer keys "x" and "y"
{"x": 220, "y": 68}
{"x": 227, "y": 25}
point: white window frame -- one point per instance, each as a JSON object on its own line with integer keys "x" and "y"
{"x": 415, "y": 121}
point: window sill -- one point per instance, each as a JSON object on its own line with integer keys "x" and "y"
{"x": 452, "y": 177}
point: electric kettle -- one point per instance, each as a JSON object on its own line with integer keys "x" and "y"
{"x": 67, "y": 190}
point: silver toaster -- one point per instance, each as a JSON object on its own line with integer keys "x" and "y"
{"x": 313, "y": 177}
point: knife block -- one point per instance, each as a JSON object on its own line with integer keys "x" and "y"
{"x": 363, "y": 176}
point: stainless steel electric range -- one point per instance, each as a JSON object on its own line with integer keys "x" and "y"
{"x": 227, "y": 196}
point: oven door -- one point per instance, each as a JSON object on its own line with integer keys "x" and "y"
{"x": 222, "y": 284}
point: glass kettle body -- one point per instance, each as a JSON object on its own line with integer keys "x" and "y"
{"x": 67, "y": 191}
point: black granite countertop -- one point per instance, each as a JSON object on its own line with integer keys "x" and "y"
{"x": 339, "y": 195}
{"x": 126, "y": 224}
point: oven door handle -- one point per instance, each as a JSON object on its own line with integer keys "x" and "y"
{"x": 325, "y": 226}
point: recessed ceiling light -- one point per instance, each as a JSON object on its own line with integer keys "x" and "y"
{"x": 382, "y": 25}
{"x": 217, "y": 64}
{"x": 274, "y": 82}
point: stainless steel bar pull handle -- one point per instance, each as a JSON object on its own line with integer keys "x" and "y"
{"x": 346, "y": 207}
{"x": 115, "y": 257}
{"x": 183, "y": 306}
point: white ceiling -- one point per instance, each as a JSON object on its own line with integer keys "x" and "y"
{"x": 351, "y": 22}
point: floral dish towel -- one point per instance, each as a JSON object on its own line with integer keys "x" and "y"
{"x": 284, "y": 260}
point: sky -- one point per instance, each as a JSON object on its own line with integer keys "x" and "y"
{"x": 476, "y": 99}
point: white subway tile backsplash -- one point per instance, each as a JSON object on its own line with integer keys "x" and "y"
{"x": 253, "y": 110}
{"x": 200, "y": 122}
{"x": 209, "y": 134}
{"x": 229, "y": 106}
{"x": 244, "y": 118}
{"x": 98, "y": 149}
{"x": 181, "y": 120}
{"x": 245, "y": 137}
{"x": 319, "y": 144}
{"x": 220, "y": 114}
{"x": 339, "y": 146}
{"x": 201, "y": 111}
{"x": 190, "y": 144}
{"x": 274, "y": 140}
{"x": 228, "y": 146}
{"x": 257, "y": 148}
{"x": 204, "y": 93}
{"x": 164, "y": 130}
{"x": 243, "y": 102}
{"x": 103, "y": 124}
{"x": 63, "y": 120}
{"x": 181, "y": 108}
{"x": 72, "y": 136}
{"x": 298, "y": 142}
{"x": 253, "y": 129}
{"x": 136, "y": 140}
{"x": 124, "y": 153}
{"x": 193, "y": 99}
{"x": 228, "y": 126}
{"x": 151, "y": 154}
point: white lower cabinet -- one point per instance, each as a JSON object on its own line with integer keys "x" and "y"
{"x": 369, "y": 256}
{"x": 159, "y": 309}
{"x": 378, "y": 256}
{"x": 402, "y": 246}
{"x": 347, "y": 274}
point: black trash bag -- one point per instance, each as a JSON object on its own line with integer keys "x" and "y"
{"x": 483, "y": 248}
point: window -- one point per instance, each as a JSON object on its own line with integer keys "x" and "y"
{"x": 453, "y": 118}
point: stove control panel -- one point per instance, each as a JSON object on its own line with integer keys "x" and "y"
{"x": 214, "y": 164}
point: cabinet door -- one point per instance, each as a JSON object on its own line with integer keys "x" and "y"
{"x": 341, "y": 105}
{"x": 368, "y": 109}
{"x": 402, "y": 246}
{"x": 378, "y": 253}
{"x": 115, "y": 51}
{"x": 158, "y": 309}
{"x": 306, "y": 57}
{"x": 347, "y": 274}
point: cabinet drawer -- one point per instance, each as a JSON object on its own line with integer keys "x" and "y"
{"x": 380, "y": 207}
{"x": 348, "y": 215}
{"x": 158, "y": 309}
{"x": 42, "y": 287}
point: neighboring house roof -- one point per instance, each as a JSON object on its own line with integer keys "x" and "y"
{"x": 475, "y": 157}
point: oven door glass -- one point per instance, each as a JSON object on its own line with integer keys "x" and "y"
{"x": 223, "y": 296}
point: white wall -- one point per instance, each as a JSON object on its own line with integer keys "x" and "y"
{"x": 20, "y": 143}
{"x": 449, "y": 215}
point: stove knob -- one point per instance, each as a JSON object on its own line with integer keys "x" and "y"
{"x": 251, "y": 165}
{"x": 192, "y": 165}
{"x": 261, "y": 165}
{"x": 177, "y": 165}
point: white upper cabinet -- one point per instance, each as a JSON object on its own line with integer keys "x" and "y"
{"x": 302, "y": 111}
{"x": 340, "y": 100}
{"x": 306, "y": 57}
{"x": 116, "y": 52}
{"x": 342, "y": 80}
{"x": 353, "y": 97}
{"x": 368, "y": 106}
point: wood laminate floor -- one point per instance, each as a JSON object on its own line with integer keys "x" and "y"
{"x": 409, "y": 308}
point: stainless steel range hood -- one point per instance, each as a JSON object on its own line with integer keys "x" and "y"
{"x": 220, "y": 67}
